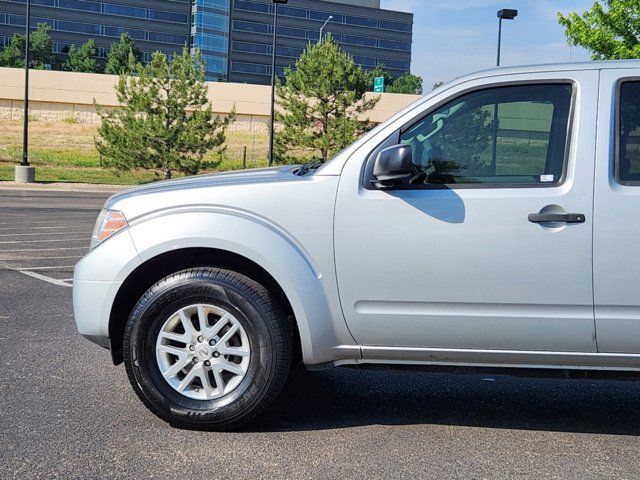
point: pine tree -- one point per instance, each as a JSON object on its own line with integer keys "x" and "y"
{"x": 83, "y": 58}
{"x": 123, "y": 56}
{"x": 321, "y": 102}
{"x": 40, "y": 46}
{"x": 165, "y": 120}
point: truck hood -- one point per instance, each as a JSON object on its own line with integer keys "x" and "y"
{"x": 255, "y": 176}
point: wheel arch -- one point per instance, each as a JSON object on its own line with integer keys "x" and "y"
{"x": 164, "y": 264}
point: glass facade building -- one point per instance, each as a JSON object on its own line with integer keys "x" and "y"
{"x": 234, "y": 36}
{"x": 372, "y": 35}
{"x": 153, "y": 24}
{"x": 210, "y": 34}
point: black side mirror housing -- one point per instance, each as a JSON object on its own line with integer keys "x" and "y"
{"x": 392, "y": 166}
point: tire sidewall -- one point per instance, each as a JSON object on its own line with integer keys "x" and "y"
{"x": 149, "y": 317}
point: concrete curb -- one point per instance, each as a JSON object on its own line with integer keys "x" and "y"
{"x": 64, "y": 187}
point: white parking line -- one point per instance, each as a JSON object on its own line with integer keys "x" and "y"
{"x": 46, "y": 249}
{"x": 17, "y": 259}
{"x": 44, "y": 278}
{"x": 43, "y": 233}
{"x": 51, "y": 220}
{"x": 44, "y": 241}
{"x": 60, "y": 227}
{"x": 44, "y": 268}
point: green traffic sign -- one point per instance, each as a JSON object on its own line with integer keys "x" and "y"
{"x": 378, "y": 85}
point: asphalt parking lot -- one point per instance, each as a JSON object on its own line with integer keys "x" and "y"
{"x": 67, "y": 412}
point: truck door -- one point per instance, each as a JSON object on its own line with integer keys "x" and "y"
{"x": 490, "y": 247}
{"x": 616, "y": 252}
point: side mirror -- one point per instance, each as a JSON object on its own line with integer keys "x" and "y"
{"x": 393, "y": 165}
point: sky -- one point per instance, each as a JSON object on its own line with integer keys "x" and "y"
{"x": 456, "y": 37}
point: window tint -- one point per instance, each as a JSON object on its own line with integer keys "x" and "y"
{"x": 628, "y": 164}
{"x": 501, "y": 136}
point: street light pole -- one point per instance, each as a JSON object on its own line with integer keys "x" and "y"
{"x": 24, "y": 172}
{"x": 499, "y": 40}
{"x": 505, "y": 14}
{"x": 25, "y": 137}
{"x": 273, "y": 79}
{"x": 323, "y": 27}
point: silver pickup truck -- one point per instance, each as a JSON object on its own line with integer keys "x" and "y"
{"x": 494, "y": 224}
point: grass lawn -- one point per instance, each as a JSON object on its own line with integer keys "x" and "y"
{"x": 65, "y": 152}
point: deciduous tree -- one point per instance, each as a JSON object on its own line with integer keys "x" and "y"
{"x": 41, "y": 49}
{"x": 123, "y": 56}
{"x": 83, "y": 58}
{"x": 610, "y": 30}
{"x": 408, "y": 83}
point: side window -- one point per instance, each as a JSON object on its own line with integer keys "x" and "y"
{"x": 628, "y": 134}
{"x": 501, "y": 136}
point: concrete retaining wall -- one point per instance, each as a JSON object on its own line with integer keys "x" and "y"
{"x": 69, "y": 97}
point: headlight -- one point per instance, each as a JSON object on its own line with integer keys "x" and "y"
{"x": 109, "y": 222}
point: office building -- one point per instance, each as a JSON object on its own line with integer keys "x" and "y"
{"x": 372, "y": 35}
{"x": 234, "y": 36}
{"x": 153, "y": 24}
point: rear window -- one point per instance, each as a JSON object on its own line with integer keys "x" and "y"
{"x": 628, "y": 135}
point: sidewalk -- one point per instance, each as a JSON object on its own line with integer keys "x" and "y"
{"x": 64, "y": 187}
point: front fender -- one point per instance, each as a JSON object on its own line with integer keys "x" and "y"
{"x": 263, "y": 243}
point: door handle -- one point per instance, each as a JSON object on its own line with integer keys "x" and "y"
{"x": 557, "y": 218}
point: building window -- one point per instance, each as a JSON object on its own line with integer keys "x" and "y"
{"x": 254, "y": 27}
{"x": 162, "y": 37}
{"x": 394, "y": 45}
{"x": 124, "y": 11}
{"x": 78, "y": 27}
{"x": 292, "y": 12}
{"x": 401, "y": 27}
{"x": 211, "y": 21}
{"x": 255, "y": 68}
{"x": 362, "y": 21}
{"x": 253, "y": 7}
{"x": 79, "y": 5}
{"x": 216, "y": 43}
{"x": 362, "y": 41}
{"x": 167, "y": 16}
{"x": 110, "y": 31}
{"x": 251, "y": 47}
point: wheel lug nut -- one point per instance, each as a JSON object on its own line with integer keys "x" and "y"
{"x": 200, "y": 338}
{"x": 216, "y": 354}
{"x": 192, "y": 347}
{"x": 207, "y": 363}
{"x": 212, "y": 343}
{"x": 195, "y": 360}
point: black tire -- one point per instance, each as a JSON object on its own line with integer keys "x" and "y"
{"x": 267, "y": 329}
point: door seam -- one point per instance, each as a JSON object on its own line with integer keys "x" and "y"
{"x": 593, "y": 212}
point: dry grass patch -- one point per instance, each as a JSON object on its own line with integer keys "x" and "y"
{"x": 65, "y": 151}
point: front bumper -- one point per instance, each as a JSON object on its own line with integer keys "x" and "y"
{"x": 92, "y": 301}
{"x": 96, "y": 281}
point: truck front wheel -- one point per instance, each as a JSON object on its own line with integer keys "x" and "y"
{"x": 207, "y": 348}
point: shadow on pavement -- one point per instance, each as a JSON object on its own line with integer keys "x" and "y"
{"x": 343, "y": 398}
